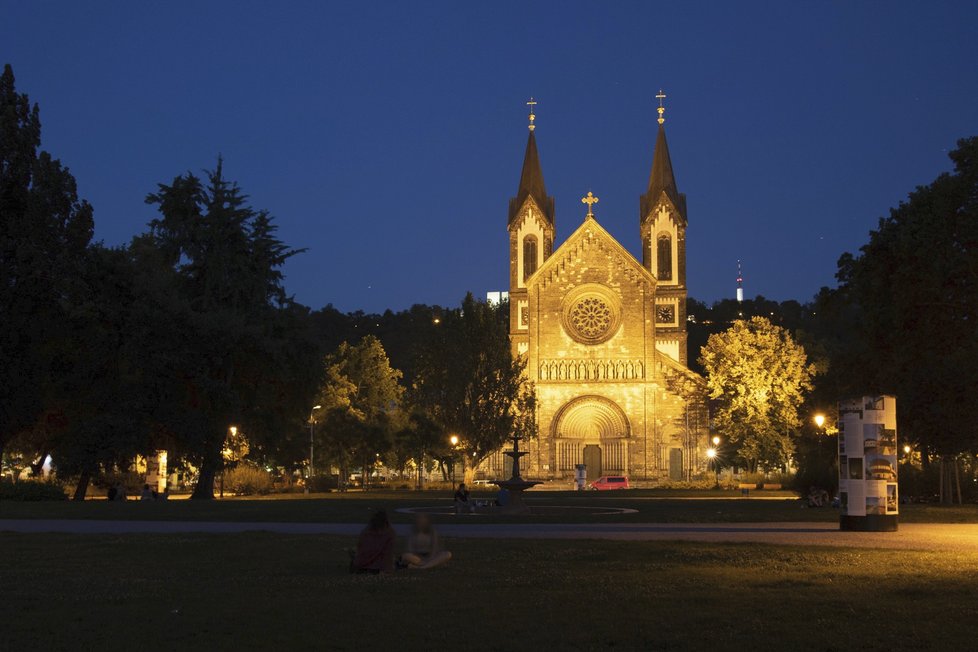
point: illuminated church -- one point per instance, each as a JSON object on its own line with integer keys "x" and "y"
{"x": 604, "y": 334}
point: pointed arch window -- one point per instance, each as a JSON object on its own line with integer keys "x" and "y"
{"x": 663, "y": 257}
{"x": 529, "y": 256}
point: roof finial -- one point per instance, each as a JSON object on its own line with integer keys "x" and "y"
{"x": 590, "y": 200}
{"x": 532, "y": 103}
{"x": 662, "y": 110}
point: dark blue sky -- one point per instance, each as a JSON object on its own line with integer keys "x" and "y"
{"x": 387, "y": 138}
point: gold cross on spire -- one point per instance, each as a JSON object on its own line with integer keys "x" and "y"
{"x": 590, "y": 200}
{"x": 532, "y": 103}
{"x": 661, "y": 96}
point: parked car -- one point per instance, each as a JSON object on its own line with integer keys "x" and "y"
{"x": 609, "y": 482}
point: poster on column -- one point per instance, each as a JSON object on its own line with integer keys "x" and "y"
{"x": 868, "y": 463}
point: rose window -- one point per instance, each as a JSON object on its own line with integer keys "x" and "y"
{"x": 591, "y": 317}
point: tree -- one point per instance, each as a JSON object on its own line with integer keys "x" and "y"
{"x": 757, "y": 377}
{"x": 420, "y": 438}
{"x": 914, "y": 289}
{"x": 103, "y": 398}
{"x": 235, "y": 351}
{"x": 44, "y": 232}
{"x": 362, "y": 399}
{"x": 470, "y": 383}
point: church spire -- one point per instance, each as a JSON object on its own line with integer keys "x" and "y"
{"x": 531, "y": 177}
{"x": 662, "y": 178}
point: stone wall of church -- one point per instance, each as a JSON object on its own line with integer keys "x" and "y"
{"x": 598, "y": 373}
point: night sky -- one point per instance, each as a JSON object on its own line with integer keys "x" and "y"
{"x": 387, "y": 138}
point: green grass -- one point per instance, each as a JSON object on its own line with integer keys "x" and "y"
{"x": 264, "y": 591}
{"x": 356, "y": 507}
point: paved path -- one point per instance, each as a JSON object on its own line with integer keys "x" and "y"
{"x": 923, "y": 536}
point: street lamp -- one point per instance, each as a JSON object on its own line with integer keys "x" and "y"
{"x": 226, "y": 453}
{"x": 716, "y": 441}
{"x": 820, "y": 420}
{"x": 454, "y": 442}
{"x": 312, "y": 432}
{"x": 711, "y": 454}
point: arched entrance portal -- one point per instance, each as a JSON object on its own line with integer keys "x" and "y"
{"x": 591, "y": 430}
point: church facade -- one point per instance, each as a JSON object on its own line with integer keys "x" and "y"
{"x": 604, "y": 334}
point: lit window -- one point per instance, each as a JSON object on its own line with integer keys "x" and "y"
{"x": 664, "y": 258}
{"x": 529, "y": 256}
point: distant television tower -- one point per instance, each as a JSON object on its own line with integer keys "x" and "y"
{"x": 740, "y": 284}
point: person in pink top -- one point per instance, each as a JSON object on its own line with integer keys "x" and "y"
{"x": 375, "y": 547}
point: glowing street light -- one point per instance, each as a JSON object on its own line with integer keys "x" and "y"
{"x": 906, "y": 449}
{"x": 716, "y": 440}
{"x": 312, "y": 432}
{"x": 820, "y": 420}
{"x": 454, "y": 442}
{"x": 711, "y": 454}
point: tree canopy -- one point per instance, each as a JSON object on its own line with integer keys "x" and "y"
{"x": 361, "y": 400}
{"x": 45, "y": 230}
{"x": 471, "y": 384}
{"x": 239, "y": 355}
{"x": 757, "y": 376}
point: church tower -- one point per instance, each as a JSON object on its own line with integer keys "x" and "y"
{"x": 662, "y": 215}
{"x": 531, "y": 237}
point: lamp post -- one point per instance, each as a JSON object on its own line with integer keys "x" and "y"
{"x": 453, "y": 440}
{"x": 312, "y": 432}
{"x": 716, "y": 458}
{"x": 711, "y": 454}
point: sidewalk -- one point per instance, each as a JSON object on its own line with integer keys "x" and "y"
{"x": 911, "y": 536}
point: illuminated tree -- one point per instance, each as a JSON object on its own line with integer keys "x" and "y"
{"x": 361, "y": 397}
{"x": 757, "y": 376}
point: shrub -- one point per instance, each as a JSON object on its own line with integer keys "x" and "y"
{"x": 246, "y": 479}
{"x": 31, "y": 490}
{"x": 322, "y": 483}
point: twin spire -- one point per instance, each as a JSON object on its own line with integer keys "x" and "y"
{"x": 661, "y": 180}
{"x": 531, "y": 178}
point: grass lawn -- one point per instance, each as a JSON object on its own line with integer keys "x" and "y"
{"x": 651, "y": 506}
{"x": 265, "y": 591}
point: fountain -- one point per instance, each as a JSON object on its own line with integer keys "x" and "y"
{"x": 516, "y": 485}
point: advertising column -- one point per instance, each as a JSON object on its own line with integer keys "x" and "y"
{"x": 868, "y": 464}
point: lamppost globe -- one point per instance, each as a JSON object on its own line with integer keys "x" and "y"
{"x": 819, "y": 420}
{"x": 906, "y": 449}
{"x": 716, "y": 440}
{"x": 454, "y": 440}
{"x": 711, "y": 453}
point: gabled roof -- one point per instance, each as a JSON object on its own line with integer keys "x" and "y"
{"x": 558, "y": 256}
{"x": 531, "y": 184}
{"x": 662, "y": 180}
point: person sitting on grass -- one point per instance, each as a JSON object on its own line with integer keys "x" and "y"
{"x": 461, "y": 498}
{"x": 502, "y": 498}
{"x": 423, "y": 548}
{"x": 375, "y": 547}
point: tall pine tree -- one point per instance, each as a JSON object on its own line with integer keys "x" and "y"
{"x": 44, "y": 232}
